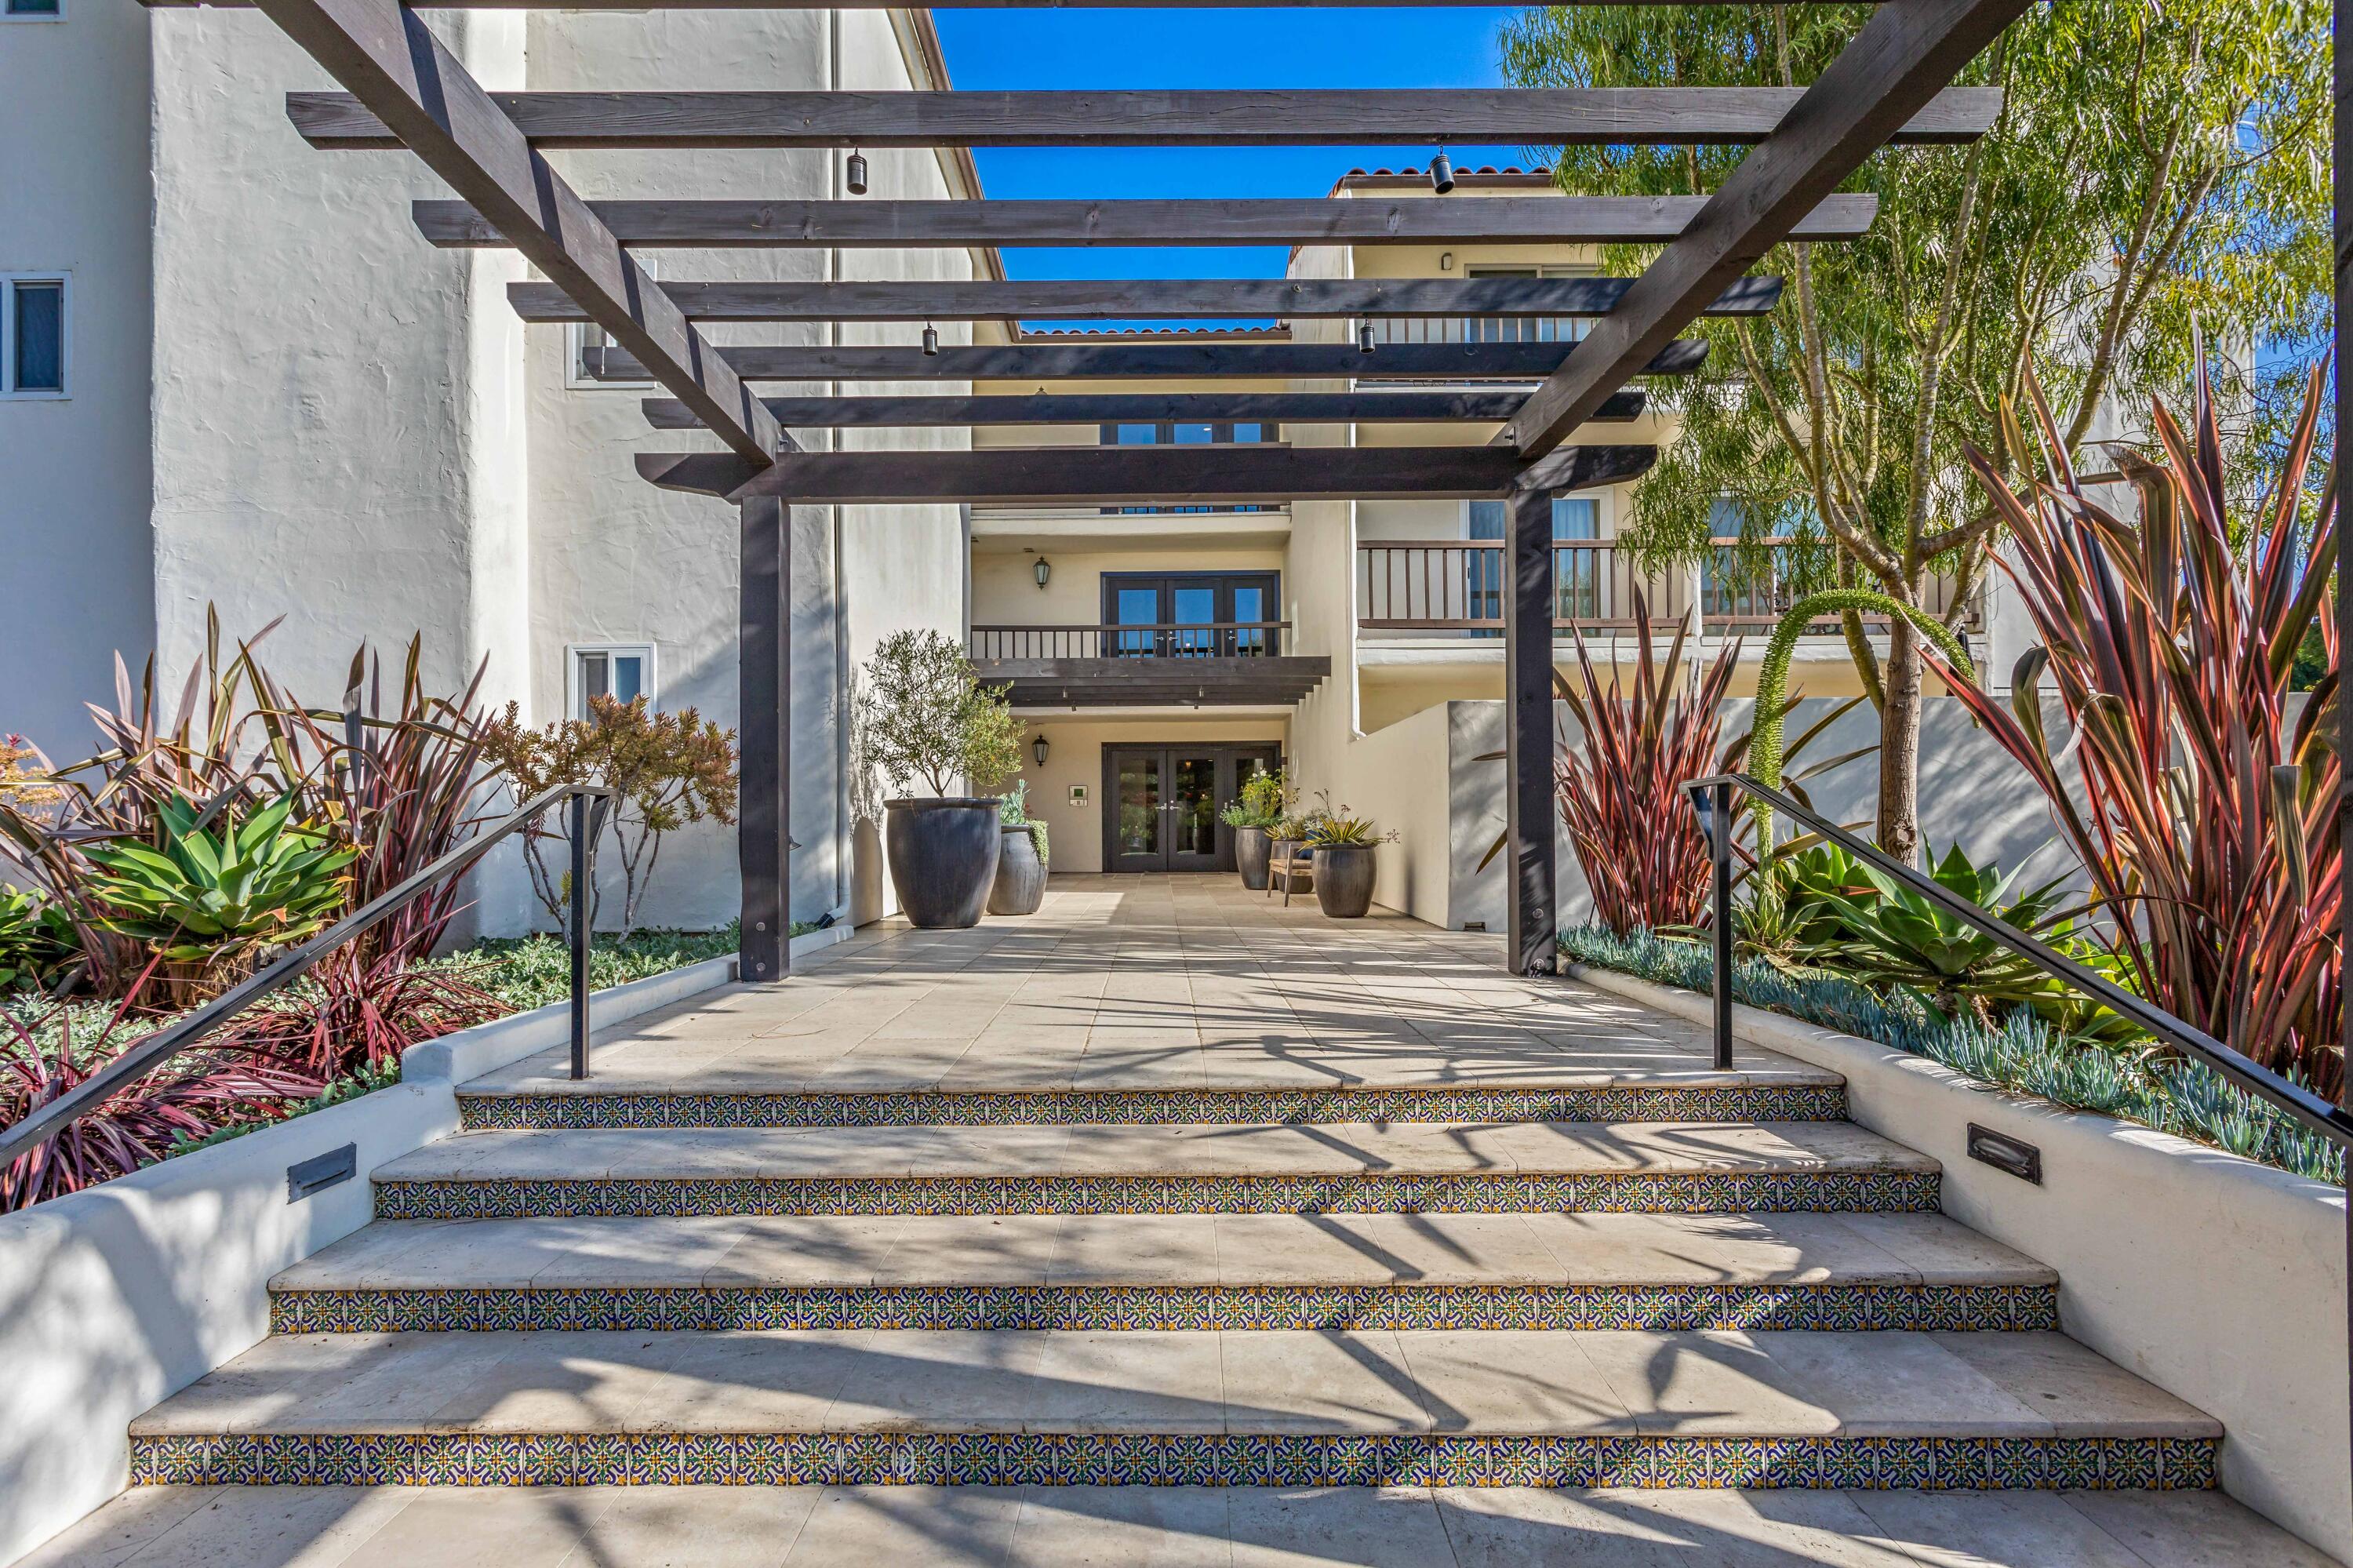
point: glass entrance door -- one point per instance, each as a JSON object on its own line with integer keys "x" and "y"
{"x": 1163, "y": 803}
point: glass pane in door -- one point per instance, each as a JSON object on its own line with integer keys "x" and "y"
{"x": 1196, "y": 611}
{"x": 1249, "y": 604}
{"x": 1133, "y": 607}
{"x": 1193, "y": 792}
{"x": 1139, "y": 803}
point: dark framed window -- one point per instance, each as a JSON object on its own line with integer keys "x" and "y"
{"x": 1191, "y": 615}
{"x": 33, "y": 10}
{"x": 34, "y": 338}
{"x": 1191, "y": 433}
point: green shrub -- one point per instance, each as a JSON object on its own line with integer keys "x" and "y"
{"x": 2019, "y": 1051}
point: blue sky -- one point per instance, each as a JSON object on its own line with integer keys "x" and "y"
{"x": 1268, "y": 46}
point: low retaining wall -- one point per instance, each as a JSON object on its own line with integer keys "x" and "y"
{"x": 2219, "y": 1279}
{"x": 114, "y": 1297}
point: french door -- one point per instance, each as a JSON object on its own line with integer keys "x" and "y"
{"x": 1161, "y": 804}
{"x": 1189, "y": 615}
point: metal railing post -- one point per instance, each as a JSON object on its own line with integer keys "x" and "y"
{"x": 583, "y": 870}
{"x": 1720, "y": 852}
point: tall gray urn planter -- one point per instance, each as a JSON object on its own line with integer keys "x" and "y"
{"x": 1020, "y": 883}
{"x": 943, "y": 854}
{"x": 1344, "y": 880}
{"x": 1251, "y": 847}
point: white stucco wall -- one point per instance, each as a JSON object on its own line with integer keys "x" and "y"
{"x": 1970, "y": 792}
{"x": 73, "y": 510}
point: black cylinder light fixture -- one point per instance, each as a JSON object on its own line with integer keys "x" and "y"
{"x": 1364, "y": 337}
{"x": 857, "y": 174}
{"x": 1441, "y": 172}
{"x": 931, "y": 339}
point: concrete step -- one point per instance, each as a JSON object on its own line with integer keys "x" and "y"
{"x": 1167, "y": 1527}
{"x": 1168, "y": 1272}
{"x": 1288, "y": 1408}
{"x": 1689, "y": 1097}
{"x": 1723, "y": 1168}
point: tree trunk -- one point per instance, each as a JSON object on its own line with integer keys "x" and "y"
{"x": 1899, "y": 746}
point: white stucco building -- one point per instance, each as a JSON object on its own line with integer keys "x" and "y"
{"x": 237, "y": 376}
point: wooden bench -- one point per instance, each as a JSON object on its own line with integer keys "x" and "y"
{"x": 1291, "y": 866}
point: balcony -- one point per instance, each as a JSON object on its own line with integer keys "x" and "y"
{"x": 1215, "y": 664}
{"x": 1457, "y": 586}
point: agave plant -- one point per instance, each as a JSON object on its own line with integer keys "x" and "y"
{"x": 36, "y": 940}
{"x": 2205, "y": 818}
{"x": 42, "y": 1058}
{"x": 1885, "y": 935}
{"x": 216, "y": 892}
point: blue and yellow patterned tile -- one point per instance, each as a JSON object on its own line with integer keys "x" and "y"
{"x": 2132, "y": 1464}
{"x": 2186, "y": 1463}
{"x": 2071, "y": 1463}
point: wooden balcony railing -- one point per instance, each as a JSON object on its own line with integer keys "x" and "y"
{"x": 1198, "y": 639}
{"x": 1459, "y": 585}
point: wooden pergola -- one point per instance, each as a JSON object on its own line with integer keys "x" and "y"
{"x": 404, "y": 89}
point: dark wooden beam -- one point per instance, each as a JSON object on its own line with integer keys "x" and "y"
{"x": 1537, "y": 117}
{"x": 394, "y": 65}
{"x": 1530, "y": 892}
{"x": 1904, "y": 54}
{"x": 1435, "y": 405}
{"x": 1070, "y": 299}
{"x": 1357, "y": 221}
{"x": 1171, "y": 475}
{"x": 763, "y": 718}
{"x": 1114, "y": 360}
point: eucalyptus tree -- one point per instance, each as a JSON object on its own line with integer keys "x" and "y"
{"x": 2153, "y": 172}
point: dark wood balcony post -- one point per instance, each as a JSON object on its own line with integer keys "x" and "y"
{"x": 764, "y": 720}
{"x": 1532, "y": 946}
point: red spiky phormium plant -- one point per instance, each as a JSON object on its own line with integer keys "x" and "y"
{"x": 2205, "y": 817}
{"x": 1622, "y": 798}
{"x": 41, "y": 1058}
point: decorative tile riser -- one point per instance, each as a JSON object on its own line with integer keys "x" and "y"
{"x": 1213, "y": 1459}
{"x": 495, "y": 1198}
{"x": 1836, "y": 1307}
{"x": 1154, "y": 1107}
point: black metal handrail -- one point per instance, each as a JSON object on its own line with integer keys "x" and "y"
{"x": 589, "y": 803}
{"x": 1712, "y": 798}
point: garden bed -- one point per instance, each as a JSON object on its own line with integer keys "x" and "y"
{"x": 2177, "y": 1096}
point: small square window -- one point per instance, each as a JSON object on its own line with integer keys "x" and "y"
{"x": 33, "y": 10}
{"x": 581, "y": 339}
{"x": 33, "y": 336}
{"x": 623, "y": 672}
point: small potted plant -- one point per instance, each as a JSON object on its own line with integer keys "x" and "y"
{"x": 1020, "y": 884}
{"x": 1253, "y": 817}
{"x": 928, "y": 719}
{"x": 1343, "y": 847}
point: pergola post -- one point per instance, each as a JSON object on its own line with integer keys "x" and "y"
{"x": 764, "y": 726}
{"x": 1532, "y": 946}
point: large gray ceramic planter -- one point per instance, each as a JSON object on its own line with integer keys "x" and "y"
{"x": 1250, "y": 846}
{"x": 943, "y": 854}
{"x": 1344, "y": 880}
{"x": 1020, "y": 884}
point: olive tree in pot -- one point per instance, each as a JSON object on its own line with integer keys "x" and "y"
{"x": 1253, "y": 815}
{"x": 926, "y": 719}
{"x": 1020, "y": 884}
{"x": 1343, "y": 847}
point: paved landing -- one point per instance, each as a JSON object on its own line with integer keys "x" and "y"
{"x": 1147, "y": 983}
{"x": 1162, "y": 1527}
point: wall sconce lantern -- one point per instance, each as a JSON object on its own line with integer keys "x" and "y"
{"x": 1037, "y": 750}
{"x": 1043, "y": 569}
{"x": 1446, "y": 260}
